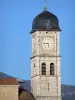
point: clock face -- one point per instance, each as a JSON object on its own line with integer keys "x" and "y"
{"x": 47, "y": 43}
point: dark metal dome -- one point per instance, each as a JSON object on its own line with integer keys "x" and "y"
{"x": 45, "y": 21}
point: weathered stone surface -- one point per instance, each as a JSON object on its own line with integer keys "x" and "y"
{"x": 47, "y": 85}
{"x": 8, "y": 92}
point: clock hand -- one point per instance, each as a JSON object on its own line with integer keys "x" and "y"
{"x": 45, "y": 43}
{"x": 48, "y": 44}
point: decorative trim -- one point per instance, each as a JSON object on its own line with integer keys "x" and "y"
{"x": 59, "y": 30}
{"x": 46, "y": 76}
{"x": 43, "y": 56}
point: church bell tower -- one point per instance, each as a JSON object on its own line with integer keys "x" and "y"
{"x": 45, "y": 60}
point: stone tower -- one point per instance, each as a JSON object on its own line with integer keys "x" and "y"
{"x": 45, "y": 60}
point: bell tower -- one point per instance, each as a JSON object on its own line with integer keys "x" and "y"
{"x": 45, "y": 60}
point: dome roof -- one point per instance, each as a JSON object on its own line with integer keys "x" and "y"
{"x": 25, "y": 95}
{"x": 45, "y": 21}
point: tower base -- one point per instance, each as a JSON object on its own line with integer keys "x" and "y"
{"x": 48, "y": 98}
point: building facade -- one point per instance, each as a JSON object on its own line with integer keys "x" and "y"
{"x": 45, "y": 60}
{"x": 8, "y": 89}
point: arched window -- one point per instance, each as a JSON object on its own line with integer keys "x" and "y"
{"x": 43, "y": 70}
{"x": 52, "y": 69}
{"x": 34, "y": 65}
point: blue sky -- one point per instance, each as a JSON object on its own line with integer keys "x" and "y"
{"x": 16, "y": 18}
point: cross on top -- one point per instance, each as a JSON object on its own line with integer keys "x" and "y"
{"x": 45, "y": 2}
{"x": 45, "y": 8}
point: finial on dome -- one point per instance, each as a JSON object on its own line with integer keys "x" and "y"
{"x": 45, "y": 8}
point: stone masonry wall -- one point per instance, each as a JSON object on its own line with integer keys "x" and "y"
{"x": 8, "y": 92}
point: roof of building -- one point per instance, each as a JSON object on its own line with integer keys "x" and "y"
{"x": 45, "y": 21}
{"x": 20, "y": 80}
{"x": 7, "y": 80}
